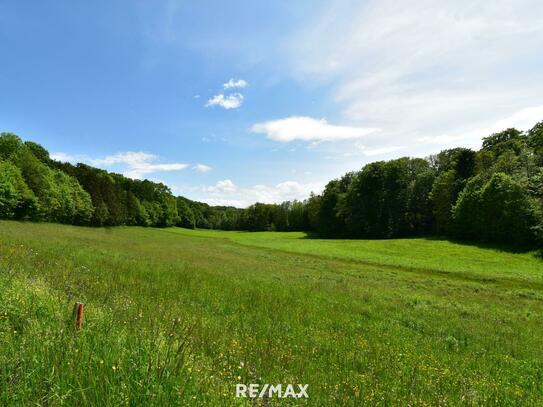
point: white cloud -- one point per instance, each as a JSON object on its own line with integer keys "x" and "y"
{"x": 132, "y": 164}
{"x": 229, "y": 101}
{"x": 422, "y": 69}
{"x": 59, "y": 156}
{"x": 227, "y": 193}
{"x": 523, "y": 120}
{"x": 309, "y": 129}
{"x": 233, "y": 84}
{"x": 360, "y": 150}
{"x": 202, "y": 168}
{"x": 139, "y": 170}
{"x": 130, "y": 158}
{"x": 137, "y": 164}
{"x": 232, "y": 101}
{"x": 222, "y": 187}
{"x": 382, "y": 150}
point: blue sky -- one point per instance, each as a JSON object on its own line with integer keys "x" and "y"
{"x": 243, "y": 101}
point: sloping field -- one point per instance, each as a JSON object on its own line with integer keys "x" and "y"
{"x": 180, "y": 317}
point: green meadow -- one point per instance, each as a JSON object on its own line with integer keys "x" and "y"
{"x": 424, "y": 254}
{"x": 179, "y": 317}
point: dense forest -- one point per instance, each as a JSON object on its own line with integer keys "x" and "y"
{"x": 492, "y": 195}
{"x": 35, "y": 187}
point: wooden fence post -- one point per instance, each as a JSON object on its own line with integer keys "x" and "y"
{"x": 78, "y": 315}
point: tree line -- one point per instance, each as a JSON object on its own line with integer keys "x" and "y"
{"x": 35, "y": 187}
{"x": 494, "y": 194}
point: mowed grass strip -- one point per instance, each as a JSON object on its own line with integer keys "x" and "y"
{"x": 181, "y": 318}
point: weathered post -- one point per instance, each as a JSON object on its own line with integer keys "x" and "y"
{"x": 78, "y": 315}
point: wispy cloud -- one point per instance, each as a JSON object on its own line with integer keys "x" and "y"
{"x": 130, "y": 158}
{"x": 202, "y": 168}
{"x": 138, "y": 171}
{"x": 233, "y": 84}
{"x": 136, "y": 164}
{"x": 132, "y": 164}
{"x": 223, "y": 187}
{"x": 382, "y": 151}
{"x": 232, "y": 101}
{"x": 60, "y": 156}
{"x": 309, "y": 129}
{"x": 226, "y": 192}
{"x": 524, "y": 119}
{"x": 423, "y": 69}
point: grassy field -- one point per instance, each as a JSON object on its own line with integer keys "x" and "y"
{"x": 178, "y": 317}
{"x": 424, "y": 254}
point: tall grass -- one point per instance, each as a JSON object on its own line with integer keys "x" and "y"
{"x": 180, "y": 319}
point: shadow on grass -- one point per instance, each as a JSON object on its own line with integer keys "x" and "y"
{"x": 502, "y": 247}
{"x": 508, "y": 248}
{"x": 315, "y": 235}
